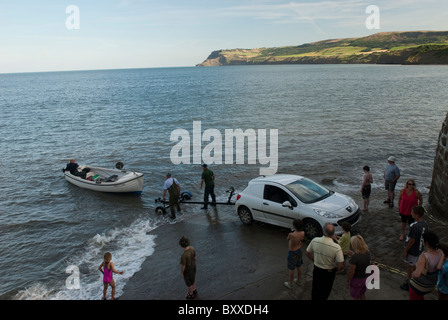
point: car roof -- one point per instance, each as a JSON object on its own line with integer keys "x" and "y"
{"x": 283, "y": 179}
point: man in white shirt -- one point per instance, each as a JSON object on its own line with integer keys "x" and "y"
{"x": 328, "y": 258}
{"x": 173, "y": 187}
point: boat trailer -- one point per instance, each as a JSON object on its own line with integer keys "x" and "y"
{"x": 186, "y": 196}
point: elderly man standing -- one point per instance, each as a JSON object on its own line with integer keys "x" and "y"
{"x": 328, "y": 258}
{"x": 391, "y": 176}
{"x": 173, "y": 187}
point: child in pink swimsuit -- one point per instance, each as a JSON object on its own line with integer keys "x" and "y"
{"x": 107, "y": 268}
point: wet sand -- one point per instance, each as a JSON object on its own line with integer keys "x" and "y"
{"x": 238, "y": 262}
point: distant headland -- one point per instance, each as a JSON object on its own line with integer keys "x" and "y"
{"x": 407, "y": 47}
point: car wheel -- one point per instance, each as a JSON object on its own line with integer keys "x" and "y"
{"x": 245, "y": 215}
{"x": 312, "y": 228}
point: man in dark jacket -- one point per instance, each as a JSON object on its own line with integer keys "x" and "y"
{"x": 72, "y": 166}
{"x": 208, "y": 177}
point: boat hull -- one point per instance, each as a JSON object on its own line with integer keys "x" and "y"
{"x": 128, "y": 182}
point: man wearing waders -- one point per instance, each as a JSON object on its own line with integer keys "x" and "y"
{"x": 173, "y": 187}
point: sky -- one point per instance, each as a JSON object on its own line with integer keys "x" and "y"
{"x": 58, "y": 35}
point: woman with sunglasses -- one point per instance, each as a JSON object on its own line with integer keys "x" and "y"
{"x": 409, "y": 197}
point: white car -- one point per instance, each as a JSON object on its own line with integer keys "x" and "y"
{"x": 280, "y": 198}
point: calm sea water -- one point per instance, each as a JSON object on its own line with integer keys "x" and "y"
{"x": 331, "y": 120}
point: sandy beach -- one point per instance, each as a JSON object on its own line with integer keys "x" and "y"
{"x": 238, "y": 262}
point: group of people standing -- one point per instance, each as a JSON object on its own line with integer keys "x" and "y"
{"x": 391, "y": 176}
{"x": 188, "y": 257}
{"x": 172, "y": 187}
{"x": 329, "y": 254}
{"x": 425, "y": 257}
{"x": 187, "y": 262}
{"x": 427, "y": 266}
{"x": 426, "y": 269}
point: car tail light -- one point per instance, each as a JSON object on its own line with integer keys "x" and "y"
{"x": 238, "y": 197}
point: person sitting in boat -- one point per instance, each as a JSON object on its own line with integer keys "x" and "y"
{"x": 72, "y": 166}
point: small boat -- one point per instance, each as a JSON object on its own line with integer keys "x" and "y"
{"x": 107, "y": 180}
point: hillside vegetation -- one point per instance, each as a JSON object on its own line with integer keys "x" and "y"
{"x": 417, "y": 47}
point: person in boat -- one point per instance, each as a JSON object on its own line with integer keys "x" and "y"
{"x": 72, "y": 166}
{"x": 172, "y": 186}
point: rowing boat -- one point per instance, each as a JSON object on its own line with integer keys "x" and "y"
{"x": 107, "y": 180}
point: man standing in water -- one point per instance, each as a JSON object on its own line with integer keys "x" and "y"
{"x": 208, "y": 177}
{"x": 391, "y": 176}
{"x": 173, "y": 187}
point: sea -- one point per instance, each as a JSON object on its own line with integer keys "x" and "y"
{"x": 330, "y": 120}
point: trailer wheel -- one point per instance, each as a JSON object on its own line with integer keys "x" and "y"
{"x": 160, "y": 210}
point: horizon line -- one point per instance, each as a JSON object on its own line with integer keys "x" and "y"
{"x": 86, "y": 70}
{"x": 131, "y": 68}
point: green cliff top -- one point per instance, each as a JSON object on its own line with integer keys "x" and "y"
{"x": 412, "y": 47}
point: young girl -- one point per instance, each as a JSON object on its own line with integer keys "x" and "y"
{"x": 107, "y": 269}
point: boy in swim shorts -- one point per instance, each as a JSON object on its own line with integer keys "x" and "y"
{"x": 294, "y": 258}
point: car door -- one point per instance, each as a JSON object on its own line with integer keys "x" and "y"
{"x": 254, "y": 201}
{"x": 275, "y": 213}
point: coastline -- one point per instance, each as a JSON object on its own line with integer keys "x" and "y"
{"x": 403, "y": 48}
{"x": 238, "y": 262}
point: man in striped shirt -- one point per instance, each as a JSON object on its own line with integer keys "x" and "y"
{"x": 328, "y": 258}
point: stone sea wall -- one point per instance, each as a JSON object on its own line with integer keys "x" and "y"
{"x": 438, "y": 193}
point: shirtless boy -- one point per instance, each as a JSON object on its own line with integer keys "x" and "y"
{"x": 294, "y": 258}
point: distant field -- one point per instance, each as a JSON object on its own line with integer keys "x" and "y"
{"x": 386, "y": 47}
